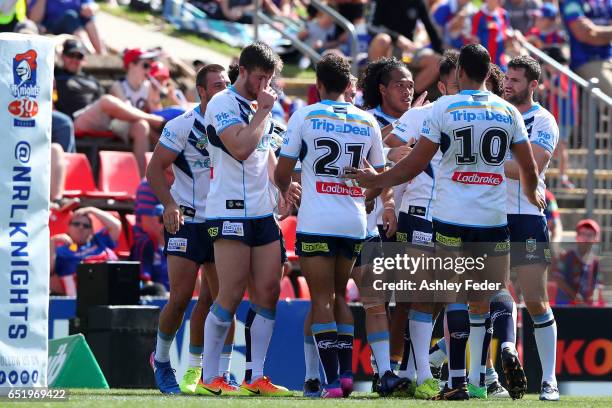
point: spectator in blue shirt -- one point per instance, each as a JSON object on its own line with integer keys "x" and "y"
{"x": 454, "y": 19}
{"x": 589, "y": 24}
{"x": 69, "y": 17}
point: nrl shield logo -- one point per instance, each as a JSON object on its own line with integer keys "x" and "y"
{"x": 530, "y": 245}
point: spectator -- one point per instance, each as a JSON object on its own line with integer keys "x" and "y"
{"x": 354, "y": 11}
{"x": 589, "y": 25}
{"x": 553, "y": 217}
{"x": 545, "y": 32}
{"x": 578, "y": 277}
{"x": 69, "y": 17}
{"x": 239, "y": 11}
{"x": 489, "y": 28}
{"x": 521, "y": 13}
{"x": 120, "y": 113}
{"x": 148, "y": 248}
{"x": 394, "y": 24}
{"x": 317, "y": 33}
{"x": 13, "y": 17}
{"x": 80, "y": 245}
{"x": 169, "y": 101}
{"x": 454, "y": 17}
{"x": 62, "y": 131}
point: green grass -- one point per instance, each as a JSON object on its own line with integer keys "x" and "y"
{"x": 143, "y": 18}
{"x": 153, "y": 399}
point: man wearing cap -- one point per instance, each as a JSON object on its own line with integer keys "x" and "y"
{"x": 545, "y": 32}
{"x": 82, "y": 97}
{"x": 521, "y": 13}
{"x": 578, "y": 276}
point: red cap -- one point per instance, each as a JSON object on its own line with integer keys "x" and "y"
{"x": 591, "y": 224}
{"x": 134, "y": 54}
{"x": 159, "y": 70}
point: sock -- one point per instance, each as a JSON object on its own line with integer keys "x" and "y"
{"x": 326, "y": 337}
{"x": 478, "y": 331}
{"x": 420, "y": 337}
{"x": 257, "y": 332}
{"x": 311, "y": 358}
{"x": 485, "y": 349}
{"x": 345, "y": 348}
{"x": 407, "y": 368}
{"x": 217, "y": 325}
{"x": 379, "y": 343}
{"x": 503, "y": 317}
{"x": 373, "y": 364}
{"x": 545, "y": 330}
{"x": 195, "y": 356}
{"x": 226, "y": 359}
{"x": 162, "y": 348}
{"x": 437, "y": 354}
{"x": 456, "y": 333}
{"x": 491, "y": 376}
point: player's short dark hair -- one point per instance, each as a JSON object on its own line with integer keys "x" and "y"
{"x": 496, "y": 77}
{"x": 260, "y": 55}
{"x": 201, "y": 75}
{"x": 376, "y": 73}
{"x": 532, "y": 68}
{"x": 474, "y": 60}
{"x": 233, "y": 72}
{"x": 448, "y": 63}
{"x": 334, "y": 72}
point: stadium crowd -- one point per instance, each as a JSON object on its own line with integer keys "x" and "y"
{"x": 401, "y": 44}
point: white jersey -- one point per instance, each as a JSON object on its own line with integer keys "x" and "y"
{"x": 239, "y": 189}
{"x": 419, "y": 193}
{"x": 137, "y": 98}
{"x": 543, "y": 131}
{"x": 185, "y": 135}
{"x": 474, "y": 129}
{"x": 326, "y": 137}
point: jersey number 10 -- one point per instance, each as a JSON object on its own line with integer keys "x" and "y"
{"x": 493, "y": 146}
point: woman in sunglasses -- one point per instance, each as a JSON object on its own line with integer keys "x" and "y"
{"x": 79, "y": 244}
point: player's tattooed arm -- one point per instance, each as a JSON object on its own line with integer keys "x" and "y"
{"x": 541, "y": 156}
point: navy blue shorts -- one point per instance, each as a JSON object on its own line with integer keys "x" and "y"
{"x": 383, "y": 234}
{"x": 283, "y": 249}
{"x": 494, "y": 241}
{"x": 414, "y": 231}
{"x": 374, "y": 245}
{"x": 529, "y": 238}
{"x": 251, "y": 231}
{"x": 191, "y": 242}
{"x": 321, "y": 245}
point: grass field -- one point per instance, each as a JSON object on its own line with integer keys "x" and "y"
{"x": 153, "y": 399}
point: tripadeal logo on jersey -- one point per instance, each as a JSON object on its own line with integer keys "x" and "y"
{"x": 329, "y": 126}
{"x": 480, "y": 116}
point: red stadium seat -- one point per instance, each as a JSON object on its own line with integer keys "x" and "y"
{"x": 102, "y": 134}
{"x": 79, "y": 177}
{"x": 288, "y": 226}
{"x": 286, "y": 292}
{"x": 119, "y": 175}
{"x": 303, "y": 288}
{"x": 58, "y": 221}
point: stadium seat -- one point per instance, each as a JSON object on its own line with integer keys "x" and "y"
{"x": 286, "y": 292}
{"x": 148, "y": 156}
{"x": 551, "y": 288}
{"x": 119, "y": 174}
{"x": 101, "y": 134}
{"x": 303, "y": 288}
{"x": 79, "y": 177}
{"x": 288, "y": 226}
{"x": 58, "y": 221}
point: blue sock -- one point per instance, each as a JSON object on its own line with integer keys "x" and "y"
{"x": 345, "y": 348}
{"x": 456, "y": 332}
{"x": 404, "y": 364}
{"x": 502, "y": 318}
{"x": 326, "y": 338}
{"x": 485, "y": 348}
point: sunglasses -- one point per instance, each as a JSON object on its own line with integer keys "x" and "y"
{"x": 146, "y": 65}
{"x": 75, "y": 55}
{"x": 78, "y": 224}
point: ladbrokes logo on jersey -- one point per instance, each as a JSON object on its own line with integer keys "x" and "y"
{"x": 328, "y": 126}
{"x": 474, "y": 177}
{"x": 339, "y": 189}
{"x": 480, "y": 116}
{"x": 25, "y": 89}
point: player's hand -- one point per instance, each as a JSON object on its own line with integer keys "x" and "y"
{"x": 369, "y": 204}
{"x": 398, "y": 153}
{"x": 294, "y": 193}
{"x": 421, "y": 101}
{"x": 537, "y": 200}
{"x": 364, "y": 178}
{"x": 285, "y": 208}
{"x": 266, "y": 97}
{"x": 389, "y": 220}
{"x": 173, "y": 218}
{"x": 62, "y": 239}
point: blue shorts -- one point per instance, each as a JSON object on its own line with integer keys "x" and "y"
{"x": 415, "y": 231}
{"x": 321, "y": 245}
{"x": 494, "y": 241}
{"x": 529, "y": 238}
{"x": 376, "y": 250}
{"x": 250, "y": 231}
{"x": 383, "y": 234}
{"x": 191, "y": 242}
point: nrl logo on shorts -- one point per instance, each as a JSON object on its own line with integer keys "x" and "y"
{"x": 213, "y": 231}
{"x": 530, "y": 245}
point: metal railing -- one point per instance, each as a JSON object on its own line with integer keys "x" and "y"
{"x": 301, "y": 46}
{"x": 584, "y": 115}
